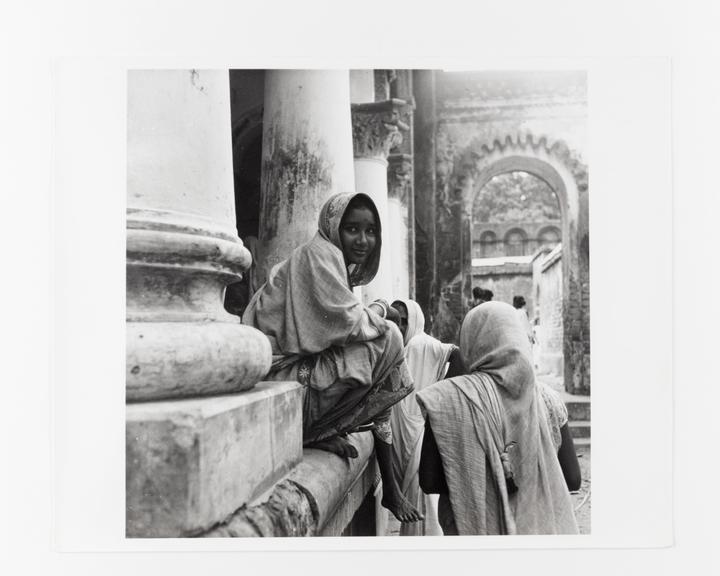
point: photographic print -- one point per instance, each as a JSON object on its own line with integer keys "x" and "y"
{"x": 358, "y": 303}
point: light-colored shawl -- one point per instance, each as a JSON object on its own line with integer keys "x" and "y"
{"x": 476, "y": 417}
{"x": 307, "y": 304}
{"x": 426, "y": 359}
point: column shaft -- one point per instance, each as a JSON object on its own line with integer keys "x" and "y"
{"x": 307, "y": 156}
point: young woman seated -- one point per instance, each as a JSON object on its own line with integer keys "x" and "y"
{"x": 347, "y": 356}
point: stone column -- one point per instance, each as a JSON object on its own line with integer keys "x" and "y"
{"x": 399, "y": 192}
{"x": 307, "y": 156}
{"x": 195, "y": 450}
{"x": 182, "y": 246}
{"x": 376, "y": 129}
{"x": 425, "y": 216}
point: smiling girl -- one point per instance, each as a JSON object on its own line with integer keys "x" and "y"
{"x": 348, "y": 357}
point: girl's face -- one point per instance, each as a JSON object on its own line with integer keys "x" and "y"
{"x": 358, "y": 235}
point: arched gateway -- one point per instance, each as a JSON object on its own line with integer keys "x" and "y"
{"x": 564, "y": 172}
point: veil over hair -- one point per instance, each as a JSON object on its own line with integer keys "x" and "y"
{"x": 307, "y": 304}
{"x": 329, "y": 221}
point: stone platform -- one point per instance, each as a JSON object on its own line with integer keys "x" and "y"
{"x": 190, "y": 464}
{"x": 321, "y": 496}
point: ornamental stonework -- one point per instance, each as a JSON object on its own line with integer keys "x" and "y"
{"x": 399, "y": 176}
{"x": 377, "y": 128}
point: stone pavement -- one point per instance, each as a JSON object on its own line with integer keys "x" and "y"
{"x": 581, "y": 499}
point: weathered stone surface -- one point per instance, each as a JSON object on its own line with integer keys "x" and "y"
{"x": 320, "y": 496}
{"x": 288, "y": 512}
{"x": 184, "y": 359}
{"x": 191, "y": 463}
{"x": 306, "y": 156}
{"x": 377, "y": 128}
{"x": 329, "y": 479}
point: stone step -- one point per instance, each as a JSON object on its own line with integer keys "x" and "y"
{"x": 581, "y": 443}
{"x": 191, "y": 463}
{"x": 579, "y": 428}
{"x": 578, "y": 407}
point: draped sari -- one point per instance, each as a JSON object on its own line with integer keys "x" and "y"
{"x": 427, "y": 360}
{"x": 348, "y": 359}
{"x": 492, "y": 425}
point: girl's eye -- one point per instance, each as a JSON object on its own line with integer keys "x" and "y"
{"x": 371, "y": 231}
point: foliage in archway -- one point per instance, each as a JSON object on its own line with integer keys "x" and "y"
{"x": 515, "y": 197}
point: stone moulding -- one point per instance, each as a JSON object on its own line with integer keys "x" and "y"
{"x": 180, "y": 339}
{"x": 377, "y": 128}
{"x": 478, "y": 152}
{"x": 178, "y": 266}
{"x": 184, "y": 359}
{"x": 171, "y": 238}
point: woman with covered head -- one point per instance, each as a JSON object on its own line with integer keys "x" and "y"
{"x": 428, "y": 360}
{"x": 495, "y": 436}
{"x": 347, "y": 357}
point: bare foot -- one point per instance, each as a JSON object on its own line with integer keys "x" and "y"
{"x": 337, "y": 445}
{"x": 401, "y": 508}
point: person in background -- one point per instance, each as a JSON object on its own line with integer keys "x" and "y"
{"x": 519, "y": 305}
{"x": 494, "y": 437}
{"x": 348, "y": 358}
{"x": 428, "y": 360}
{"x": 481, "y": 295}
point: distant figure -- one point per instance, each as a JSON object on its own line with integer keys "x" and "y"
{"x": 536, "y": 340}
{"x": 519, "y": 304}
{"x": 481, "y": 295}
{"x": 348, "y": 357}
{"x": 428, "y": 360}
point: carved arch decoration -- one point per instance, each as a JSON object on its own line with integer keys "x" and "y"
{"x": 554, "y": 162}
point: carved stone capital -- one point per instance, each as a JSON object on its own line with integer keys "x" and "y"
{"x": 377, "y": 127}
{"x": 399, "y": 176}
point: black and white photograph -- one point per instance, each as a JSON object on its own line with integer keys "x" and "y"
{"x": 357, "y": 303}
{"x": 397, "y": 288}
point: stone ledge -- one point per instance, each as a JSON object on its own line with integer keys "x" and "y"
{"x": 191, "y": 463}
{"x": 318, "y": 497}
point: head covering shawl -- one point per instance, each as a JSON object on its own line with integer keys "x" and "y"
{"x": 307, "y": 304}
{"x": 329, "y": 221}
{"x": 491, "y": 420}
{"x": 426, "y": 359}
{"x": 416, "y": 319}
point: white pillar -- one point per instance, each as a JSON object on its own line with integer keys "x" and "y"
{"x": 182, "y": 247}
{"x": 399, "y": 192}
{"x": 376, "y": 129}
{"x": 307, "y": 156}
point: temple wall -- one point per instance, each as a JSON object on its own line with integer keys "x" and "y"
{"x": 486, "y": 124}
{"x": 548, "y": 289}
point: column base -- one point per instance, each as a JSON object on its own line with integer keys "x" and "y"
{"x": 167, "y": 360}
{"x": 190, "y": 464}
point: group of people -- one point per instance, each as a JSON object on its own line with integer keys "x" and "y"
{"x": 466, "y": 440}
